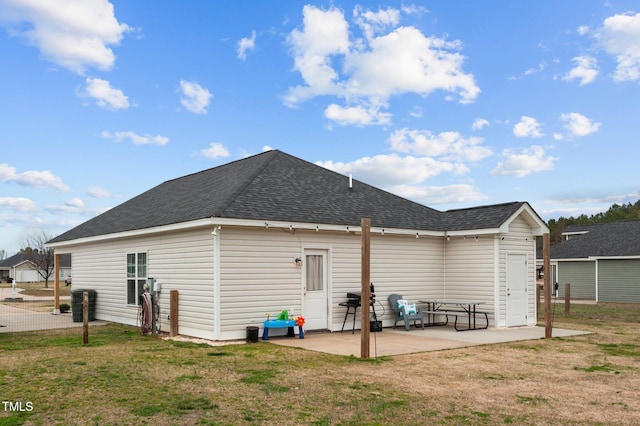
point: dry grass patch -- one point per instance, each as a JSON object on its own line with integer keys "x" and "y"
{"x": 123, "y": 378}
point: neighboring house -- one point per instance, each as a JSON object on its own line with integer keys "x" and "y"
{"x": 274, "y": 232}
{"x": 601, "y": 262}
{"x": 21, "y": 269}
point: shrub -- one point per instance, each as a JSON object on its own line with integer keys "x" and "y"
{"x": 64, "y": 308}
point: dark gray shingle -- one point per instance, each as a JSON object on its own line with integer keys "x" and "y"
{"x": 280, "y": 187}
{"x": 607, "y": 239}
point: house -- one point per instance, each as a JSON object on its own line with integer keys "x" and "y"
{"x": 601, "y": 262}
{"x": 273, "y": 232}
{"x": 21, "y": 269}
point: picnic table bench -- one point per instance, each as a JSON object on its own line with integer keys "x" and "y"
{"x": 466, "y": 309}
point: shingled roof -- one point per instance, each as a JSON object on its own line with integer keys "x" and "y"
{"x": 275, "y": 186}
{"x": 615, "y": 239}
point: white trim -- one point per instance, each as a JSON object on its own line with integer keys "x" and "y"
{"x": 597, "y": 279}
{"x": 496, "y": 282}
{"x": 216, "y": 282}
{"x": 613, "y": 257}
{"x": 575, "y": 259}
{"x": 135, "y": 233}
{"x": 538, "y": 230}
{"x": 268, "y": 224}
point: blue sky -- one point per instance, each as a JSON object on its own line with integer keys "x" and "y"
{"x": 450, "y": 103}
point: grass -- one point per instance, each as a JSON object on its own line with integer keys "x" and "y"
{"x": 122, "y": 378}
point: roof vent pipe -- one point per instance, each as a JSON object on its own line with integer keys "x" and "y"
{"x": 350, "y": 181}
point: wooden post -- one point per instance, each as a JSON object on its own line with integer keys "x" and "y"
{"x": 85, "y": 317}
{"x": 546, "y": 253}
{"x": 56, "y": 284}
{"x": 567, "y": 299}
{"x": 365, "y": 293}
{"x": 173, "y": 313}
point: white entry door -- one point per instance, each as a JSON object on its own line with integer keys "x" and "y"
{"x": 516, "y": 290}
{"x": 315, "y": 290}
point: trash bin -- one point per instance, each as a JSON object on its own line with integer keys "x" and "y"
{"x": 252, "y": 334}
{"x": 76, "y": 304}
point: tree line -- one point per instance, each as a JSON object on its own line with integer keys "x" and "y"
{"x": 615, "y": 213}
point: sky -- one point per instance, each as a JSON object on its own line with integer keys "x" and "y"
{"x": 452, "y": 104}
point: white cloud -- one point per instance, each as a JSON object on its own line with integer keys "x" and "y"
{"x": 135, "y": 138}
{"x": 97, "y": 192}
{"x": 386, "y": 171}
{"x": 75, "y": 203}
{"x": 416, "y": 112}
{"x": 104, "y": 95}
{"x": 215, "y": 150}
{"x": 530, "y": 160}
{"x": 32, "y": 178}
{"x": 325, "y": 33}
{"x": 73, "y": 34}
{"x": 432, "y": 195}
{"x": 195, "y": 98}
{"x": 586, "y": 70}
{"x": 19, "y": 204}
{"x": 479, "y": 124}
{"x": 619, "y": 35}
{"x": 245, "y": 44}
{"x": 75, "y": 206}
{"x": 579, "y": 125}
{"x": 382, "y": 65}
{"x": 451, "y": 146}
{"x": 527, "y": 127}
{"x": 373, "y": 23}
{"x": 356, "y": 115}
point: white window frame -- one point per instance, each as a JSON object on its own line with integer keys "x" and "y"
{"x": 137, "y": 273}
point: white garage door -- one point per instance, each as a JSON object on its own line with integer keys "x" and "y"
{"x": 27, "y": 276}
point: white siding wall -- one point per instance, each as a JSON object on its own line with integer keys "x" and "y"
{"x": 469, "y": 269}
{"x": 258, "y": 274}
{"x": 182, "y": 261}
{"x": 519, "y": 240}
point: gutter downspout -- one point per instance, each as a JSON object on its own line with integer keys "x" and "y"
{"x": 496, "y": 281}
{"x": 444, "y": 269}
{"x": 216, "y": 282}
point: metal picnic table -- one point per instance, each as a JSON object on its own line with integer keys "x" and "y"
{"x": 464, "y": 308}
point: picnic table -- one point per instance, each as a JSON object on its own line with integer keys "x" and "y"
{"x": 454, "y": 308}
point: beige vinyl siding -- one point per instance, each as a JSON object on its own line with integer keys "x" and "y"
{"x": 471, "y": 266}
{"x": 519, "y": 240}
{"x": 469, "y": 269}
{"x": 258, "y": 274}
{"x": 182, "y": 261}
{"x": 582, "y": 277}
{"x": 412, "y": 267}
{"x": 618, "y": 280}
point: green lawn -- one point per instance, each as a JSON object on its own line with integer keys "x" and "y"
{"x": 122, "y": 378}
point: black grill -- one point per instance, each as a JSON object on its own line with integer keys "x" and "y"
{"x": 354, "y": 300}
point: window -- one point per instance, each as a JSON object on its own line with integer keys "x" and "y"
{"x": 136, "y": 276}
{"x": 315, "y": 271}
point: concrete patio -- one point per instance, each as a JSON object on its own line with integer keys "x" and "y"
{"x": 399, "y": 341}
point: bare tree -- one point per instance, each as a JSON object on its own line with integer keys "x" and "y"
{"x": 3, "y": 254}
{"x": 39, "y": 254}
